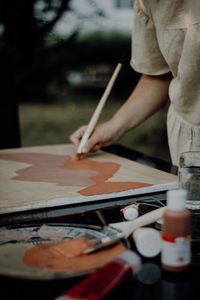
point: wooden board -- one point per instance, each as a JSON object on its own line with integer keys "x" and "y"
{"x": 46, "y": 176}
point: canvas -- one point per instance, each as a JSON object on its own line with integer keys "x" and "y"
{"x": 46, "y": 176}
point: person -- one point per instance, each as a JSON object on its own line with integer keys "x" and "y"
{"x": 166, "y": 51}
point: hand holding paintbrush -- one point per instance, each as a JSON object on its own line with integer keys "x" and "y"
{"x": 98, "y": 110}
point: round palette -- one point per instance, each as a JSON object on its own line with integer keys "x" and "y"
{"x": 52, "y": 251}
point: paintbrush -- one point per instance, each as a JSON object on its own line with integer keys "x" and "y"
{"x": 121, "y": 230}
{"x": 99, "y": 108}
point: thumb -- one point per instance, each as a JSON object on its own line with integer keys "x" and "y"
{"x": 90, "y": 145}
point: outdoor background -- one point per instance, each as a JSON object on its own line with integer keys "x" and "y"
{"x": 56, "y": 57}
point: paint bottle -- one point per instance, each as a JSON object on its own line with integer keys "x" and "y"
{"x": 100, "y": 283}
{"x": 147, "y": 241}
{"x": 175, "y": 254}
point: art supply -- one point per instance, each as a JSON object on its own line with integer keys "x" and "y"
{"x": 130, "y": 212}
{"x": 106, "y": 279}
{"x": 99, "y": 108}
{"x": 44, "y": 177}
{"x": 86, "y": 239}
{"x": 148, "y": 241}
{"x": 159, "y": 224}
{"x": 124, "y": 229}
{"x": 42, "y": 251}
{"x": 101, "y": 217}
{"x": 53, "y": 251}
{"x": 189, "y": 179}
{"x": 175, "y": 254}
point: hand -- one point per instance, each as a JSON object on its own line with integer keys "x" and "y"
{"x": 103, "y": 135}
{"x": 150, "y": 94}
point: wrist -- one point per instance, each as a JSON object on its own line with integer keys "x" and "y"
{"x": 120, "y": 125}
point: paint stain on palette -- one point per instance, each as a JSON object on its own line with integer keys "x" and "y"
{"x": 68, "y": 256}
{"x": 50, "y": 251}
{"x": 64, "y": 171}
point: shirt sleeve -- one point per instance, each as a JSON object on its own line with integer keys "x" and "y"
{"x": 146, "y": 57}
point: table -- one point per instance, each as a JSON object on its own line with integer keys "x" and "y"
{"x": 151, "y": 282}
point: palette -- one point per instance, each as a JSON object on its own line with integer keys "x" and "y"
{"x": 46, "y": 176}
{"x": 52, "y": 251}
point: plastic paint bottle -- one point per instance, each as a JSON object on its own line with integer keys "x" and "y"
{"x": 175, "y": 254}
{"x": 147, "y": 241}
{"x": 100, "y": 283}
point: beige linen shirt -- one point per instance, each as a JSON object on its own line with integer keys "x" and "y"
{"x": 166, "y": 38}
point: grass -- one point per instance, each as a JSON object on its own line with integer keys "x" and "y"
{"x": 46, "y": 124}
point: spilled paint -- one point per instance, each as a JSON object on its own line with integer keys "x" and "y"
{"x": 68, "y": 256}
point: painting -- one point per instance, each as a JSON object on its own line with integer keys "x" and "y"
{"x": 48, "y": 176}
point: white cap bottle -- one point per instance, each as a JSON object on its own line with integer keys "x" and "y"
{"x": 175, "y": 254}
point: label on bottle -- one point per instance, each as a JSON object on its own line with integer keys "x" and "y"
{"x": 176, "y": 250}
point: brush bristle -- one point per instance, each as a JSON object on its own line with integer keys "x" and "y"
{"x": 77, "y": 157}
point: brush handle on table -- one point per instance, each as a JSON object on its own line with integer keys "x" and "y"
{"x": 99, "y": 108}
{"x": 129, "y": 226}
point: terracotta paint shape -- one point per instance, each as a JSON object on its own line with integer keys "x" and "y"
{"x": 106, "y": 170}
{"x": 67, "y": 256}
{"x": 64, "y": 171}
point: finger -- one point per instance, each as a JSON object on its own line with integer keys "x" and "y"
{"x": 91, "y": 143}
{"x": 74, "y": 140}
{"x": 77, "y": 135}
{"x": 96, "y": 148}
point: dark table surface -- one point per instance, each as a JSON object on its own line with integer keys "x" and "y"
{"x": 152, "y": 282}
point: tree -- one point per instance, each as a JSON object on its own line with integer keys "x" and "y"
{"x": 27, "y": 64}
{"x": 31, "y": 62}
{"x": 23, "y": 41}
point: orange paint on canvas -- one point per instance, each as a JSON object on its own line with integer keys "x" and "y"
{"x": 105, "y": 171}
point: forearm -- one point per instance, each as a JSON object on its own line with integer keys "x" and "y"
{"x": 150, "y": 94}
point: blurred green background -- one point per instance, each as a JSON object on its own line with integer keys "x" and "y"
{"x": 50, "y": 84}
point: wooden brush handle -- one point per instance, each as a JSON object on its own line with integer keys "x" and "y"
{"x": 103, "y": 99}
{"x": 99, "y": 108}
{"x": 129, "y": 226}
